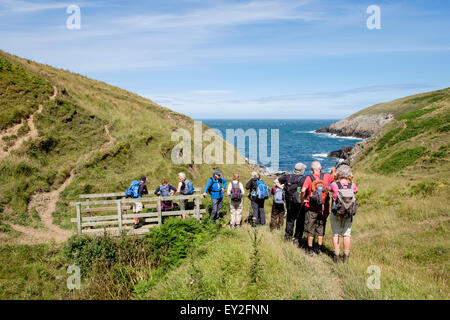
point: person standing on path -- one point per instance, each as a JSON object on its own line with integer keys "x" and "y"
{"x": 292, "y": 184}
{"x": 278, "y": 209}
{"x": 236, "y": 192}
{"x": 316, "y": 198}
{"x": 215, "y": 187}
{"x": 341, "y": 218}
{"x": 257, "y": 203}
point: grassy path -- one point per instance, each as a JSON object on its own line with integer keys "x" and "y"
{"x": 44, "y": 203}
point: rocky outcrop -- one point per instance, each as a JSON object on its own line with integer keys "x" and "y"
{"x": 342, "y": 153}
{"x": 362, "y": 126}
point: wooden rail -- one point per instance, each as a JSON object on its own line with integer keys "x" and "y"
{"x": 122, "y": 222}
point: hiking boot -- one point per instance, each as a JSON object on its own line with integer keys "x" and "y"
{"x": 137, "y": 225}
{"x": 318, "y": 251}
{"x": 296, "y": 243}
{"x": 238, "y": 226}
{"x": 345, "y": 258}
{"x": 336, "y": 258}
{"x": 310, "y": 252}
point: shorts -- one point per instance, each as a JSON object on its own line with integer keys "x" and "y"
{"x": 341, "y": 227}
{"x": 314, "y": 224}
{"x": 137, "y": 207}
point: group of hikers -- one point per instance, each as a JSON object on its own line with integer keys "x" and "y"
{"x": 304, "y": 200}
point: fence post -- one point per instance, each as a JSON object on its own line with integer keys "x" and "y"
{"x": 159, "y": 212}
{"x": 79, "y": 218}
{"x": 87, "y": 203}
{"x": 197, "y": 208}
{"x": 119, "y": 216}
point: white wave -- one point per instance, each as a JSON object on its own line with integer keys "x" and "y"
{"x": 333, "y": 135}
{"x": 320, "y": 155}
{"x": 299, "y": 131}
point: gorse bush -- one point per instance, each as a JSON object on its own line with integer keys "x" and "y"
{"x": 425, "y": 188}
{"x": 177, "y": 237}
{"x": 114, "y": 267}
{"x": 387, "y": 137}
{"x": 401, "y": 160}
{"x": 415, "y": 114}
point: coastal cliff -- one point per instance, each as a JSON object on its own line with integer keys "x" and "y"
{"x": 362, "y": 126}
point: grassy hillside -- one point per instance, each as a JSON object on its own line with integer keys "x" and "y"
{"x": 402, "y": 227}
{"x": 408, "y": 104}
{"x": 106, "y": 135}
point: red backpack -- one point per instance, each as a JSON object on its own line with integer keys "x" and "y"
{"x": 236, "y": 194}
{"x": 319, "y": 192}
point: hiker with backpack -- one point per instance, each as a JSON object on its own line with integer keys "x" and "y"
{"x": 259, "y": 192}
{"x": 215, "y": 187}
{"x": 165, "y": 190}
{"x": 185, "y": 187}
{"x": 292, "y": 184}
{"x": 343, "y": 209}
{"x": 316, "y": 199}
{"x": 136, "y": 190}
{"x": 278, "y": 209}
{"x": 236, "y": 192}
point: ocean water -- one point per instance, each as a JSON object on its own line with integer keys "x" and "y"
{"x": 297, "y": 140}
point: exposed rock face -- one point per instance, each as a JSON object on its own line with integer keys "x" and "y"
{"x": 342, "y": 153}
{"x": 362, "y": 126}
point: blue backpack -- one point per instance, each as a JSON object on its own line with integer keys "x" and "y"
{"x": 164, "y": 188}
{"x": 262, "y": 190}
{"x": 278, "y": 197}
{"x": 133, "y": 190}
{"x": 188, "y": 188}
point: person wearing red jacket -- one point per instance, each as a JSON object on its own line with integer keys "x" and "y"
{"x": 316, "y": 199}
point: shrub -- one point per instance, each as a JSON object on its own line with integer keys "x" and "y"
{"x": 117, "y": 267}
{"x": 401, "y": 159}
{"x": 415, "y": 114}
{"x": 388, "y": 136}
{"x": 424, "y": 188}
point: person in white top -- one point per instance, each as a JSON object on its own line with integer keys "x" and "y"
{"x": 236, "y": 192}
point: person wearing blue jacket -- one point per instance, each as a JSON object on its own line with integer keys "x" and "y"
{"x": 215, "y": 187}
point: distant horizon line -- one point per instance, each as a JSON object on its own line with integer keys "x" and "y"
{"x": 285, "y": 119}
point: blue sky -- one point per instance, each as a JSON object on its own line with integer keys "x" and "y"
{"x": 242, "y": 59}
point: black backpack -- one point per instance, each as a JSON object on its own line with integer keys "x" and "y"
{"x": 293, "y": 186}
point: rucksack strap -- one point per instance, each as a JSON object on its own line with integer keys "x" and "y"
{"x": 320, "y": 178}
{"x": 349, "y": 185}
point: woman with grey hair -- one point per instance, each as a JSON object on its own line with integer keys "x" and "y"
{"x": 181, "y": 186}
{"x": 341, "y": 226}
{"x": 257, "y": 204}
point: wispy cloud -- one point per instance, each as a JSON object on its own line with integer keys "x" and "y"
{"x": 335, "y": 94}
{"x": 19, "y": 6}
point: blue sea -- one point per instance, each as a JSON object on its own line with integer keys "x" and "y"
{"x": 297, "y": 140}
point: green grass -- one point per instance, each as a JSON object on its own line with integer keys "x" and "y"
{"x": 387, "y": 137}
{"x": 401, "y": 160}
{"x": 112, "y": 267}
{"x": 71, "y": 133}
{"x": 401, "y": 225}
{"x": 22, "y": 92}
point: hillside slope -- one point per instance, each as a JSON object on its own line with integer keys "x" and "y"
{"x": 369, "y": 121}
{"x": 401, "y": 227}
{"x": 88, "y": 137}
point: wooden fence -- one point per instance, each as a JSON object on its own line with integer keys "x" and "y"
{"x": 114, "y": 218}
